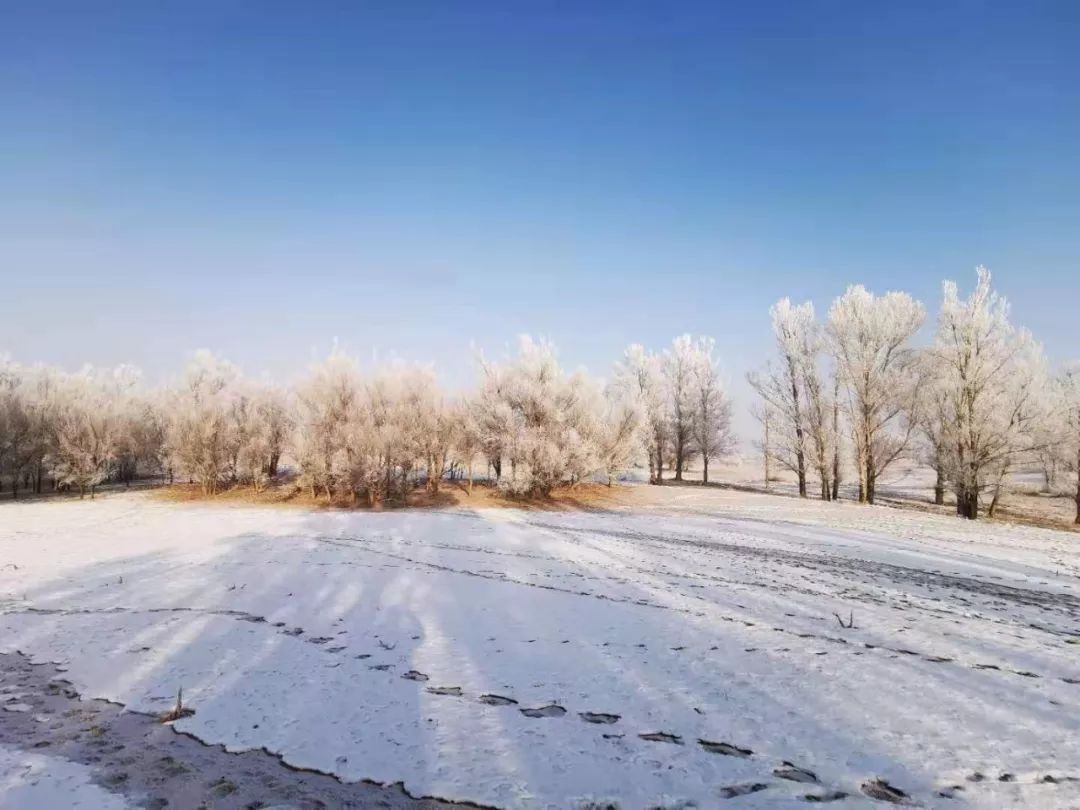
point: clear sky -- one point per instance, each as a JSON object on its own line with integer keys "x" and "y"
{"x": 415, "y": 179}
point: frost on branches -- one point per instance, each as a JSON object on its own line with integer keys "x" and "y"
{"x": 847, "y": 396}
{"x": 992, "y": 382}
{"x": 976, "y": 405}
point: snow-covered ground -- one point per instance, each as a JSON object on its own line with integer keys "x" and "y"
{"x": 30, "y": 781}
{"x": 390, "y": 646}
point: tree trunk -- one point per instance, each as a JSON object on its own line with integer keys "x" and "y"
{"x": 836, "y": 439}
{"x": 871, "y": 473}
{"x": 705, "y": 468}
{"x": 1077, "y": 521}
{"x": 999, "y": 485}
{"x": 939, "y": 487}
{"x": 659, "y": 463}
{"x": 800, "y": 458}
{"x": 967, "y": 503}
{"x": 766, "y": 455}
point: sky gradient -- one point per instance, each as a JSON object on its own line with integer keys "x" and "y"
{"x": 417, "y": 180}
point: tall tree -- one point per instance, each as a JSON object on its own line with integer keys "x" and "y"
{"x": 640, "y": 377}
{"x": 992, "y": 375}
{"x": 679, "y": 364}
{"x": 869, "y": 336}
{"x": 782, "y": 387}
{"x": 1070, "y": 444}
{"x": 712, "y": 431}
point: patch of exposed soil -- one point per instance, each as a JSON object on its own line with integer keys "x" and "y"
{"x": 155, "y": 766}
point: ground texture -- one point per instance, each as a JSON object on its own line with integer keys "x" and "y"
{"x": 690, "y": 649}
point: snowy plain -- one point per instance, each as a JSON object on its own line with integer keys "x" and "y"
{"x": 682, "y": 651}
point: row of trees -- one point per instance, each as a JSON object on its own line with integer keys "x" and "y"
{"x": 74, "y": 430}
{"x": 365, "y": 438}
{"x": 975, "y": 405}
{"x": 686, "y": 411}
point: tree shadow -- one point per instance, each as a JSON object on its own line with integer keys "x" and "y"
{"x": 299, "y": 640}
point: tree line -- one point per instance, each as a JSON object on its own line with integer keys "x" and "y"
{"x": 371, "y": 438}
{"x": 850, "y": 394}
{"x": 976, "y": 405}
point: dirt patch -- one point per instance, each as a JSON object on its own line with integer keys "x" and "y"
{"x": 138, "y": 756}
{"x": 451, "y": 494}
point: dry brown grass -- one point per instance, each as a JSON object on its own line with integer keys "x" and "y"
{"x": 451, "y": 494}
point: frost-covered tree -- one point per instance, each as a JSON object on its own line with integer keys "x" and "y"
{"x": 711, "y": 421}
{"x": 1069, "y": 388}
{"x": 90, "y": 426}
{"x": 17, "y": 438}
{"x": 782, "y": 386}
{"x": 538, "y": 419}
{"x": 620, "y": 430}
{"x": 992, "y": 376}
{"x": 468, "y": 440}
{"x": 929, "y": 410}
{"x": 763, "y": 414}
{"x": 869, "y": 337}
{"x": 328, "y": 419}
{"x": 819, "y": 414}
{"x": 258, "y": 424}
{"x": 431, "y": 423}
{"x": 40, "y": 394}
{"x": 679, "y": 363}
{"x": 200, "y": 435}
{"x": 142, "y": 439}
{"x": 640, "y": 379}
{"x": 273, "y": 425}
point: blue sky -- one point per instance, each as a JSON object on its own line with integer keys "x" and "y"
{"x": 414, "y": 179}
